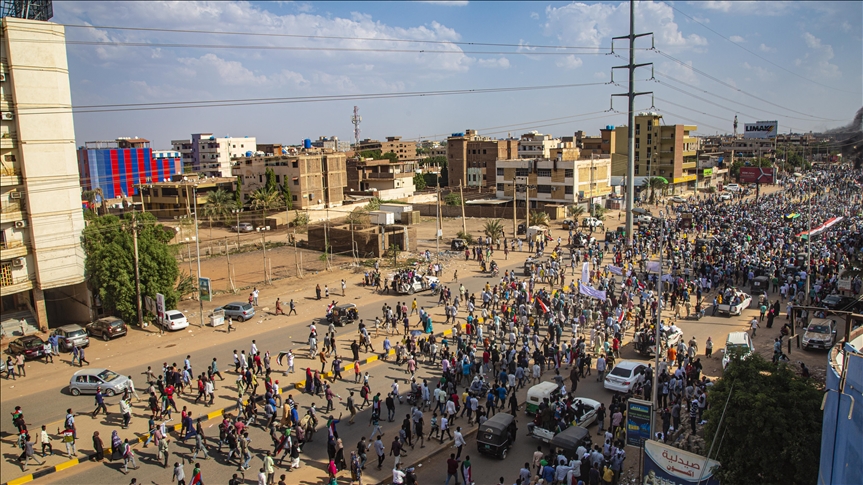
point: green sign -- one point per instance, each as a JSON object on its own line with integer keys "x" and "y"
{"x": 708, "y": 172}
{"x": 204, "y": 289}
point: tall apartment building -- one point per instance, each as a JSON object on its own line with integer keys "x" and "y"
{"x": 332, "y": 143}
{"x": 471, "y": 158}
{"x": 604, "y": 144}
{"x": 555, "y": 181}
{"x": 211, "y": 156}
{"x": 387, "y": 179}
{"x": 317, "y": 178}
{"x": 536, "y": 145}
{"x": 116, "y": 167}
{"x": 42, "y": 260}
{"x": 406, "y": 150}
{"x": 660, "y": 151}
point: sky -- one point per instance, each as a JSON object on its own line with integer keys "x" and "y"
{"x": 517, "y": 66}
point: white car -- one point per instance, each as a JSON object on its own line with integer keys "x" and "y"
{"x": 644, "y": 219}
{"x": 820, "y": 334}
{"x": 175, "y": 320}
{"x": 624, "y": 376}
{"x": 725, "y": 197}
{"x": 737, "y": 343}
{"x": 591, "y": 222}
{"x": 419, "y": 283}
{"x": 677, "y": 199}
{"x": 733, "y": 188}
{"x": 731, "y": 308}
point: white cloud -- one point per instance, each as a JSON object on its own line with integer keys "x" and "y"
{"x": 233, "y": 73}
{"x": 569, "y": 62}
{"x": 737, "y": 38}
{"x": 679, "y": 72}
{"x": 446, "y": 3}
{"x": 593, "y": 25}
{"x": 534, "y": 15}
{"x": 746, "y": 7}
{"x": 600, "y": 75}
{"x": 766, "y": 48}
{"x": 761, "y": 73}
{"x": 499, "y": 63}
{"x": 817, "y": 60}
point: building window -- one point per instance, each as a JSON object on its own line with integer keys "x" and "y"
{"x": 649, "y": 126}
{"x": 543, "y": 172}
{"x": 568, "y": 172}
{"x": 638, "y": 128}
{"x": 636, "y": 170}
{"x": 567, "y": 190}
{"x": 500, "y": 187}
{"x": 636, "y": 156}
{"x": 295, "y": 164}
{"x": 296, "y": 181}
{"x": 543, "y": 189}
{"x": 500, "y": 172}
{"x": 522, "y": 172}
{"x": 294, "y": 197}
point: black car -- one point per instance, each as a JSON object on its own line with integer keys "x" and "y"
{"x": 841, "y": 303}
{"x": 31, "y": 346}
{"x": 107, "y": 328}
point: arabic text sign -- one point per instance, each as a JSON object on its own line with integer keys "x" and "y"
{"x": 761, "y": 129}
{"x": 668, "y": 465}
{"x": 204, "y": 289}
{"x": 638, "y": 415}
{"x": 758, "y": 175}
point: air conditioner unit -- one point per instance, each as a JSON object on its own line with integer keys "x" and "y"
{"x": 2, "y": 77}
{"x": 20, "y": 224}
{"x": 15, "y": 195}
{"x": 18, "y": 262}
{"x": 7, "y": 116}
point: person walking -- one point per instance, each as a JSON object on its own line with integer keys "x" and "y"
{"x": 100, "y": 403}
{"x": 128, "y": 456}
{"x": 459, "y": 442}
{"x": 200, "y": 445}
{"x": 81, "y": 358}
{"x": 380, "y": 451}
{"x": 179, "y": 474}
{"x": 20, "y": 365}
{"x": 28, "y": 453}
{"x": 292, "y": 307}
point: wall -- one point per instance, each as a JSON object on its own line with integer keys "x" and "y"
{"x": 117, "y": 171}
{"x": 369, "y": 240}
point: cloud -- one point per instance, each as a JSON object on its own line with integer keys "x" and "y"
{"x": 817, "y": 60}
{"x": 737, "y": 38}
{"x": 600, "y": 75}
{"x": 233, "y": 73}
{"x": 679, "y": 72}
{"x": 499, "y": 63}
{"x": 534, "y": 15}
{"x": 569, "y": 62}
{"x": 746, "y": 7}
{"x": 761, "y": 73}
{"x": 766, "y": 48}
{"x": 446, "y": 3}
{"x": 593, "y": 25}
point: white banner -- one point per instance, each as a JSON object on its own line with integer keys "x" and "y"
{"x": 615, "y": 270}
{"x": 585, "y": 272}
{"x": 760, "y": 129}
{"x": 653, "y": 266}
{"x": 591, "y": 292}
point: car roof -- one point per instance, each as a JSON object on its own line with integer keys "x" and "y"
{"x": 28, "y": 338}
{"x": 737, "y": 337}
{"x": 173, "y": 312}
{"x": 586, "y": 401}
{"x": 91, "y": 372}
{"x": 70, "y": 327}
{"x": 628, "y": 364}
{"x": 238, "y": 303}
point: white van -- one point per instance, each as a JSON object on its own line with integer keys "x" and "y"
{"x": 736, "y": 343}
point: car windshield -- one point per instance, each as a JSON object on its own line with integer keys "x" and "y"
{"x": 737, "y": 348}
{"x": 31, "y": 343}
{"x": 621, "y": 372}
{"x": 76, "y": 333}
{"x": 246, "y": 307}
{"x": 177, "y": 316}
{"x": 819, "y": 328}
{"x": 108, "y": 376}
{"x": 117, "y": 323}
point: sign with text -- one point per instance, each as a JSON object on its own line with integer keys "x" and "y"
{"x": 666, "y": 465}
{"x": 638, "y": 414}
{"x": 708, "y": 172}
{"x": 761, "y": 129}
{"x": 204, "y": 289}
{"x": 758, "y": 175}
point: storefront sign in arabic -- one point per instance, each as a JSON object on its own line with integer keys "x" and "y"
{"x": 666, "y": 465}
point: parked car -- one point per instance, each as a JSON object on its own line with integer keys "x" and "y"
{"x": 240, "y": 311}
{"x": 591, "y": 222}
{"x": 457, "y": 245}
{"x": 175, "y": 320}
{"x": 86, "y": 381}
{"x": 725, "y": 197}
{"x": 677, "y": 199}
{"x": 733, "y": 188}
{"x": 820, "y": 334}
{"x": 31, "y": 346}
{"x": 644, "y": 219}
{"x": 243, "y": 227}
{"x": 107, "y": 328}
{"x": 624, "y": 376}
{"x": 71, "y": 335}
{"x": 839, "y": 302}
{"x": 736, "y": 344}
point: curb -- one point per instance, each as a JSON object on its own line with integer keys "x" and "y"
{"x": 141, "y": 437}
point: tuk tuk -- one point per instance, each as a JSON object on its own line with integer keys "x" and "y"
{"x": 344, "y": 314}
{"x": 457, "y": 245}
{"x": 568, "y": 441}
{"x": 701, "y": 245}
{"x": 535, "y": 395}
{"x": 497, "y": 435}
{"x": 760, "y": 284}
{"x": 685, "y": 220}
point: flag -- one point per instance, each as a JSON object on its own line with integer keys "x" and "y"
{"x": 542, "y": 305}
{"x": 585, "y": 273}
{"x": 591, "y": 292}
{"x": 196, "y": 480}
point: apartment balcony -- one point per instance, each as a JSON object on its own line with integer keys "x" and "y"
{"x": 13, "y": 249}
{"x": 9, "y": 139}
{"x": 10, "y": 284}
{"x": 689, "y": 165}
{"x": 12, "y": 211}
{"x": 10, "y": 176}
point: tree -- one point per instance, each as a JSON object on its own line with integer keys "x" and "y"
{"x": 374, "y": 204}
{"x": 394, "y": 251}
{"x": 392, "y": 157}
{"x": 359, "y": 216}
{"x": 787, "y": 410}
{"x": 238, "y": 194}
{"x": 438, "y": 161}
{"x": 288, "y": 196}
{"x": 270, "y": 184}
{"x": 219, "y": 205}
{"x": 575, "y": 211}
{"x": 419, "y": 181}
{"x": 539, "y": 218}
{"x": 110, "y": 264}
{"x": 653, "y": 184}
{"x": 373, "y": 154}
{"x": 301, "y": 219}
{"x": 493, "y": 229}
{"x": 468, "y": 237}
{"x": 452, "y": 199}
{"x": 265, "y": 200}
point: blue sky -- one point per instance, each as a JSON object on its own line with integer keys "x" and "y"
{"x": 804, "y": 68}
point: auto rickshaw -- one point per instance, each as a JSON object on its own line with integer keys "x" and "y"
{"x": 568, "y": 441}
{"x": 536, "y": 394}
{"x": 497, "y": 435}
{"x": 457, "y": 245}
{"x": 344, "y": 314}
{"x": 760, "y": 284}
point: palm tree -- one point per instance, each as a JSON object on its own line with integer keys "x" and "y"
{"x": 219, "y": 205}
{"x": 539, "y": 219}
{"x": 493, "y": 229}
{"x": 263, "y": 199}
{"x": 654, "y": 183}
{"x": 575, "y": 211}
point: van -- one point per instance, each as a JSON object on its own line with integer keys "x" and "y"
{"x": 737, "y": 343}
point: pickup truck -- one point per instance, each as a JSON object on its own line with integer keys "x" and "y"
{"x": 735, "y": 303}
{"x": 645, "y": 341}
{"x": 418, "y": 283}
{"x": 584, "y": 409}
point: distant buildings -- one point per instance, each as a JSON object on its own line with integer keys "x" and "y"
{"x": 557, "y": 181}
{"x": 116, "y": 167}
{"x": 406, "y": 150}
{"x": 176, "y": 197}
{"x": 317, "y": 178}
{"x": 332, "y": 143}
{"x": 41, "y": 256}
{"x": 471, "y": 158}
{"x": 211, "y": 156}
{"x": 386, "y": 179}
{"x": 536, "y": 145}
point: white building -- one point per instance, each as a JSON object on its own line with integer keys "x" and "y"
{"x": 556, "y": 181}
{"x": 41, "y": 217}
{"x": 333, "y": 143}
{"x": 212, "y": 156}
{"x": 536, "y": 145}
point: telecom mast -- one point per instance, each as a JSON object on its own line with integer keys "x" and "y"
{"x": 356, "y": 119}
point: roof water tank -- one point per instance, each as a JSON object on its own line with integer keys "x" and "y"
{"x": 609, "y": 127}
{"x": 307, "y": 143}
{"x": 249, "y": 154}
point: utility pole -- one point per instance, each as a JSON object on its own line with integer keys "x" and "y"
{"x": 514, "y": 207}
{"x": 230, "y": 268}
{"x": 198, "y": 252}
{"x": 264, "y": 247}
{"x": 439, "y": 230}
{"x": 237, "y": 212}
{"x": 461, "y": 196}
{"x": 631, "y": 95}
{"x": 657, "y": 337}
{"x": 137, "y": 272}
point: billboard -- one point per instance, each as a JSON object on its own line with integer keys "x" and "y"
{"x": 204, "y": 289}
{"x": 758, "y": 175}
{"x": 638, "y": 415}
{"x": 666, "y": 465}
{"x": 761, "y": 129}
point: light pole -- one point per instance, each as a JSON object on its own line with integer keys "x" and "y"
{"x": 657, "y": 335}
{"x": 198, "y": 253}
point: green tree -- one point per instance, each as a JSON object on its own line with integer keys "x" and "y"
{"x": 575, "y": 211}
{"x": 452, "y": 199}
{"x": 288, "y": 196}
{"x": 438, "y": 161}
{"x": 219, "y": 205}
{"x": 238, "y": 194}
{"x": 301, "y": 219}
{"x": 265, "y": 200}
{"x": 374, "y": 204}
{"x": 761, "y": 393}
{"x": 468, "y": 237}
{"x": 373, "y": 154}
{"x": 110, "y": 266}
{"x": 392, "y": 157}
{"x": 653, "y": 184}
{"x": 539, "y": 218}
{"x": 493, "y": 229}
{"x": 419, "y": 181}
{"x": 271, "y": 184}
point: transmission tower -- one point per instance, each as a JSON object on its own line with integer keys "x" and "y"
{"x": 356, "y": 119}
{"x": 631, "y": 95}
{"x": 735, "y": 126}
{"x": 27, "y": 9}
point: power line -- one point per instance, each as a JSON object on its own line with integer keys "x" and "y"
{"x": 757, "y": 55}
